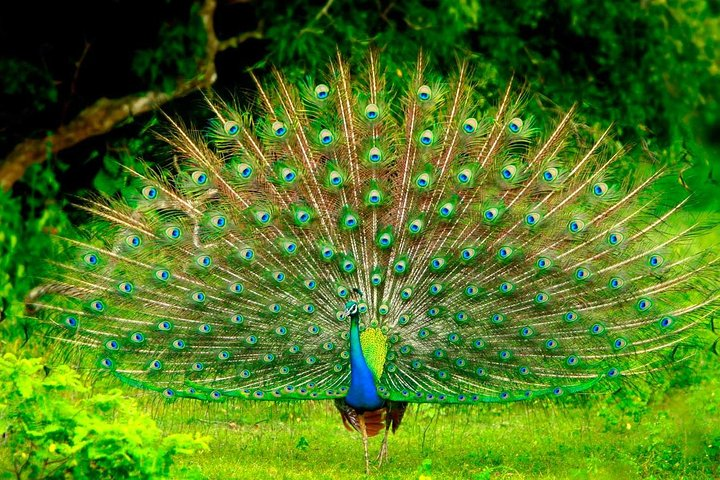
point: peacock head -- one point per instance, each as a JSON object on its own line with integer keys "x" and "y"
{"x": 351, "y": 310}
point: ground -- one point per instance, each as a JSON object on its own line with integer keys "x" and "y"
{"x": 677, "y": 436}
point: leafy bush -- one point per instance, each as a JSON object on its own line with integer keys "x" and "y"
{"x": 55, "y": 429}
{"x": 27, "y": 223}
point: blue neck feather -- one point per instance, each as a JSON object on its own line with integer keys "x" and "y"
{"x": 362, "y": 394}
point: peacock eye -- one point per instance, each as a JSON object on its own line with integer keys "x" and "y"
{"x": 336, "y": 179}
{"x": 515, "y": 125}
{"x": 374, "y": 197}
{"x": 231, "y": 128}
{"x": 543, "y": 263}
{"x": 133, "y": 241}
{"x": 423, "y": 180}
{"x": 424, "y": 93}
{"x": 199, "y": 177}
{"x": 162, "y": 275}
{"x": 550, "y": 174}
{"x": 303, "y": 216}
{"x": 426, "y": 138}
{"x": 470, "y": 125}
{"x": 446, "y": 210}
{"x": 582, "y": 273}
{"x": 279, "y": 129}
{"x": 372, "y": 111}
{"x": 325, "y": 136}
{"x": 464, "y": 176}
{"x": 532, "y": 218}
{"x": 575, "y": 226}
{"x": 615, "y": 238}
{"x": 173, "y": 232}
{"x": 150, "y": 193}
{"x": 375, "y": 155}
{"x": 599, "y": 189}
{"x": 288, "y": 174}
{"x": 245, "y": 170}
{"x": 644, "y": 304}
{"x": 71, "y": 321}
{"x": 437, "y": 263}
{"x": 322, "y": 91}
{"x": 541, "y": 298}
{"x": 218, "y": 221}
{"x": 656, "y": 260}
{"x": 262, "y": 216}
{"x": 490, "y": 214}
{"x": 508, "y": 172}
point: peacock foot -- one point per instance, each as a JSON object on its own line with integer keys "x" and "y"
{"x": 383, "y": 454}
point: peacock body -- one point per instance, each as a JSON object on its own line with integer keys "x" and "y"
{"x": 347, "y": 241}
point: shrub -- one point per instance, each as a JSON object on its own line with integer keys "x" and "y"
{"x": 54, "y": 428}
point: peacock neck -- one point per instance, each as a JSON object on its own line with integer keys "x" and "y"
{"x": 362, "y": 394}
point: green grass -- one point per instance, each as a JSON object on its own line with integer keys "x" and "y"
{"x": 678, "y": 437}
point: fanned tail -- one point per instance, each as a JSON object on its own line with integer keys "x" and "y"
{"x": 501, "y": 260}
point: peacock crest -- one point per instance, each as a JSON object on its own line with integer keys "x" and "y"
{"x": 500, "y": 259}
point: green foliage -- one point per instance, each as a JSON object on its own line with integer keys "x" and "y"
{"x": 55, "y": 429}
{"x": 181, "y": 47}
{"x": 570, "y": 51}
{"x": 28, "y": 223}
{"x": 25, "y": 80}
{"x": 112, "y": 178}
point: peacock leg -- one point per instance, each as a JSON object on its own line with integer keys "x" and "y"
{"x": 383, "y": 455}
{"x": 363, "y": 430}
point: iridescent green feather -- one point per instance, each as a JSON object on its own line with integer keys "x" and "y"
{"x": 497, "y": 261}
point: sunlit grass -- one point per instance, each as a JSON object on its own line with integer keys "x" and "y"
{"x": 677, "y": 438}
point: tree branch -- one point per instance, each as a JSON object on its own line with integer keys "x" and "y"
{"x": 106, "y": 113}
{"x": 233, "y": 42}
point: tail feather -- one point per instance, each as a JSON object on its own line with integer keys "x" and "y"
{"x": 500, "y": 262}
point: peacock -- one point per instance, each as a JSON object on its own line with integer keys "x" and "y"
{"x": 380, "y": 238}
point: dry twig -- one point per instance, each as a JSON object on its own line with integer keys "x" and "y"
{"x": 106, "y": 113}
